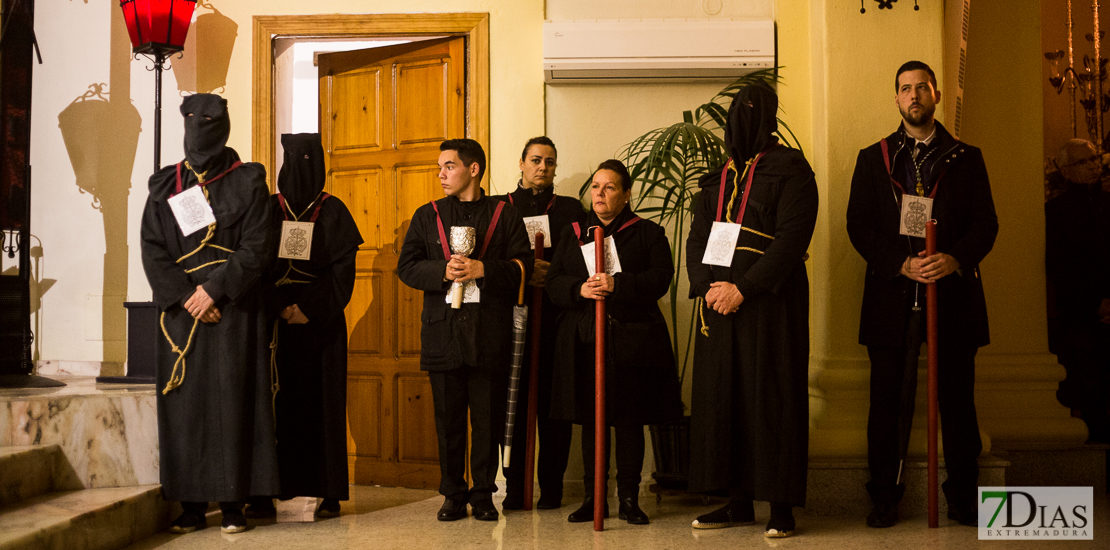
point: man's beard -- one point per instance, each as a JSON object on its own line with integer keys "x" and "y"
{"x": 923, "y": 116}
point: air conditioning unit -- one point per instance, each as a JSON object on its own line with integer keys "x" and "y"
{"x": 655, "y": 50}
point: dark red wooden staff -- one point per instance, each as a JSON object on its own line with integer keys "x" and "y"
{"x": 533, "y": 385}
{"x": 931, "y": 338}
{"x": 599, "y": 389}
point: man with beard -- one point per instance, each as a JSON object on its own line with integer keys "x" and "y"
{"x": 466, "y": 350}
{"x": 1077, "y": 261}
{"x": 750, "y": 413}
{"x": 308, "y": 287}
{"x": 897, "y": 181}
{"x": 205, "y": 242}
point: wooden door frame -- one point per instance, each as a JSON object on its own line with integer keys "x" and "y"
{"x": 474, "y": 26}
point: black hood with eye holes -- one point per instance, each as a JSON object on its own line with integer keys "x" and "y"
{"x": 302, "y": 174}
{"x": 752, "y": 121}
{"x": 207, "y": 128}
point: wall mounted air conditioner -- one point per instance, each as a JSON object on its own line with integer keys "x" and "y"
{"x": 655, "y": 50}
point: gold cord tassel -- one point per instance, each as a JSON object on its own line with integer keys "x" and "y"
{"x": 701, "y": 313}
{"x": 175, "y": 380}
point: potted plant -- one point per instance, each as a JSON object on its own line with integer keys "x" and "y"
{"x": 666, "y": 165}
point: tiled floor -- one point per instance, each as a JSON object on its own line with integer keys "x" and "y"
{"x": 381, "y": 518}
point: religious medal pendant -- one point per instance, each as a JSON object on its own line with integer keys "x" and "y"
{"x": 920, "y": 186}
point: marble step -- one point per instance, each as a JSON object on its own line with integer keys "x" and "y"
{"x": 88, "y": 519}
{"x": 26, "y": 471}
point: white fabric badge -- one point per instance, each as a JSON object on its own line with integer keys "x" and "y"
{"x": 612, "y": 262}
{"x": 296, "y": 240}
{"x": 538, "y": 224}
{"x": 191, "y": 210}
{"x": 916, "y": 212}
{"x": 471, "y": 293}
{"x": 722, "y": 244}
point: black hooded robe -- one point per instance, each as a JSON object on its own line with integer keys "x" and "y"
{"x": 216, "y": 430}
{"x": 749, "y": 427}
{"x": 311, "y": 404}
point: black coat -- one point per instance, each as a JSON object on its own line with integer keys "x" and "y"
{"x": 749, "y": 423}
{"x": 1077, "y": 250}
{"x": 215, "y": 431}
{"x": 966, "y": 229}
{"x": 479, "y": 335}
{"x": 641, "y": 383}
{"x": 311, "y": 405}
{"x": 561, "y": 212}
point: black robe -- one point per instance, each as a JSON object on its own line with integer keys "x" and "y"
{"x": 215, "y": 431}
{"x": 311, "y": 404}
{"x": 749, "y": 426}
{"x": 641, "y": 382}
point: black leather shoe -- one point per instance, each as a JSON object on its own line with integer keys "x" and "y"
{"x": 550, "y": 501}
{"x": 452, "y": 510}
{"x": 484, "y": 510}
{"x": 513, "y": 501}
{"x": 730, "y": 515}
{"x": 233, "y": 521}
{"x": 585, "y": 512}
{"x": 964, "y": 516}
{"x": 883, "y": 514}
{"x": 630, "y": 511}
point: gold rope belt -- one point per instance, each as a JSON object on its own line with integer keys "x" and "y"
{"x": 176, "y": 380}
{"x": 285, "y": 280}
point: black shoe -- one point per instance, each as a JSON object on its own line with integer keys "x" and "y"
{"x": 782, "y": 522}
{"x": 968, "y": 516}
{"x": 585, "y": 512}
{"x": 452, "y": 509}
{"x": 730, "y": 515}
{"x": 234, "y": 521}
{"x": 883, "y": 514}
{"x": 630, "y": 511}
{"x": 484, "y": 510}
{"x": 188, "y": 522}
{"x": 328, "y": 508}
{"x": 513, "y": 501}
{"x": 550, "y": 501}
{"x": 260, "y": 508}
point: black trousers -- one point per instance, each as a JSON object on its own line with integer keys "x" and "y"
{"x": 553, "y": 446}
{"x": 481, "y": 392}
{"x": 956, "y": 403}
{"x": 630, "y": 458}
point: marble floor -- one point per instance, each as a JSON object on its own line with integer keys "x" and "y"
{"x": 387, "y": 518}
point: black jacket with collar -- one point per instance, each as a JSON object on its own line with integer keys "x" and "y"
{"x": 966, "y": 229}
{"x": 476, "y": 334}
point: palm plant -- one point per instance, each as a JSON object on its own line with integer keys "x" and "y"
{"x": 666, "y": 165}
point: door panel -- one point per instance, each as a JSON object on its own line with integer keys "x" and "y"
{"x": 383, "y": 113}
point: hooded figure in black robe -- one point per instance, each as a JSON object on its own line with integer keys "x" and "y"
{"x": 307, "y": 298}
{"x": 215, "y": 418}
{"x": 750, "y": 406}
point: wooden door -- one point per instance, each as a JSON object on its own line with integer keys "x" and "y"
{"x": 383, "y": 113}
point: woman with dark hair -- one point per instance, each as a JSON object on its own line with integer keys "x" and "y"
{"x": 540, "y": 207}
{"x": 641, "y": 383}
{"x": 750, "y": 408}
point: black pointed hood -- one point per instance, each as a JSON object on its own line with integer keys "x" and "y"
{"x": 752, "y": 121}
{"x": 302, "y": 174}
{"x": 207, "y": 128}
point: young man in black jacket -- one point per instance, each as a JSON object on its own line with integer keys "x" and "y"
{"x": 466, "y": 351}
{"x": 895, "y": 182}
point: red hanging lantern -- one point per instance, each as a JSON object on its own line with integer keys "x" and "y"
{"x": 158, "y": 26}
